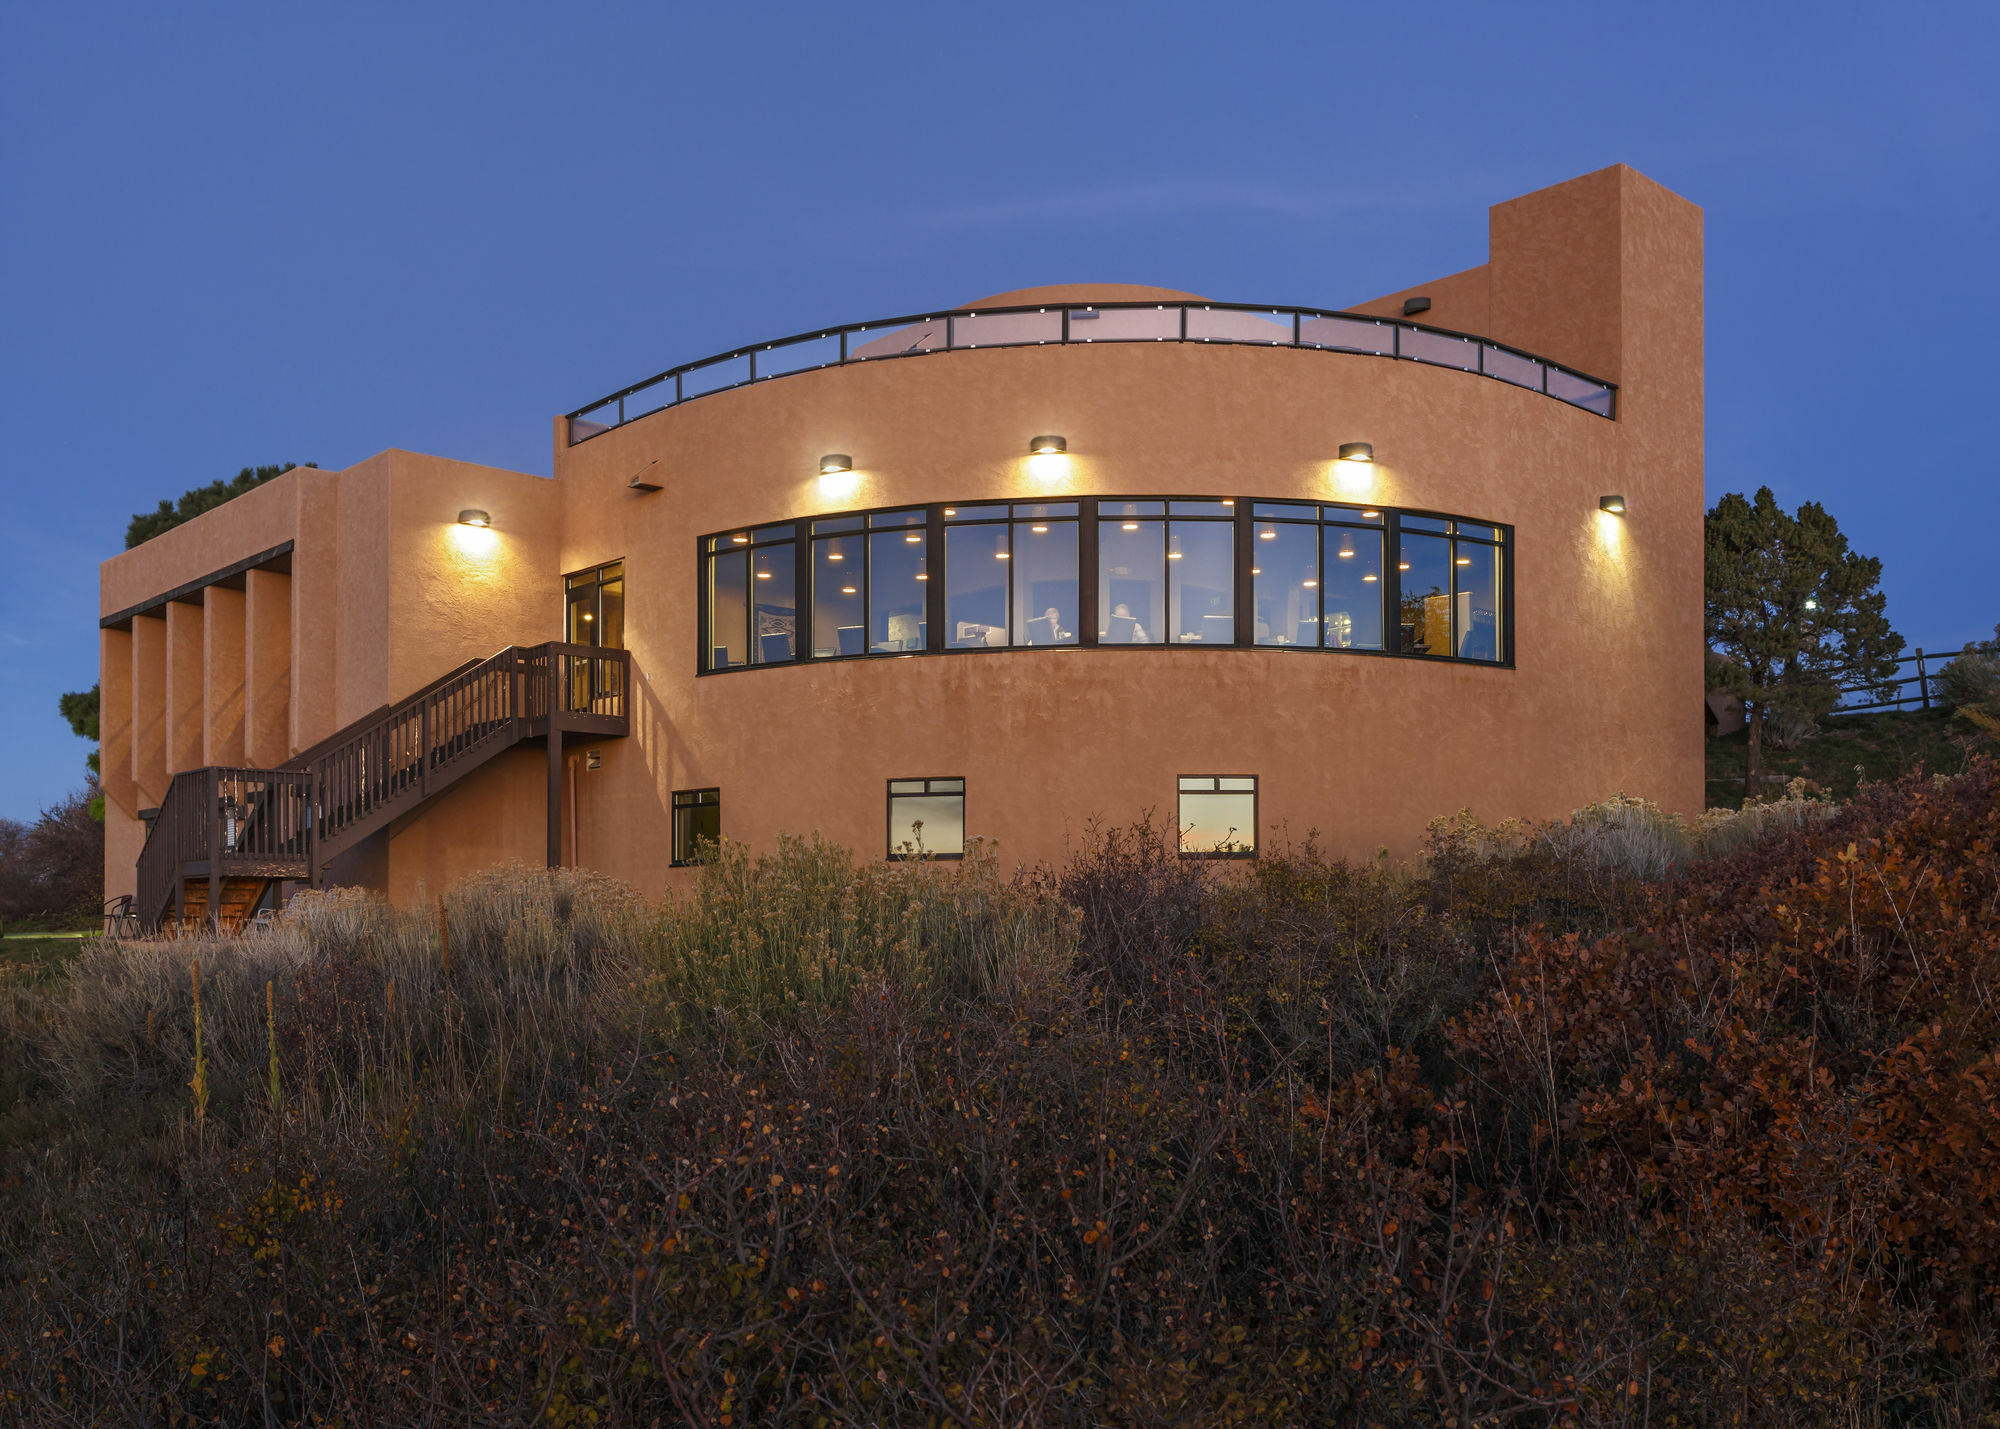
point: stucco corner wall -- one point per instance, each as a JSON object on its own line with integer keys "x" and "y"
{"x": 456, "y": 593}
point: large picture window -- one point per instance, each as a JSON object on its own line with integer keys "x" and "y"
{"x": 1218, "y": 816}
{"x": 1108, "y": 571}
{"x": 926, "y": 818}
{"x": 1011, "y": 575}
{"x": 1451, "y": 578}
{"x": 752, "y": 597}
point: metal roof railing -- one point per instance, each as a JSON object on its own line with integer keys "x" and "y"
{"x": 1048, "y": 326}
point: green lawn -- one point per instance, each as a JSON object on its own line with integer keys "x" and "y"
{"x": 33, "y": 954}
{"x": 1851, "y": 750}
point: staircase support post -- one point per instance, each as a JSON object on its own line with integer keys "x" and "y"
{"x": 551, "y": 673}
{"x": 215, "y": 852}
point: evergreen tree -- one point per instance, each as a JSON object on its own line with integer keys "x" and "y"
{"x": 169, "y": 514}
{"x": 79, "y": 707}
{"x": 1791, "y": 613}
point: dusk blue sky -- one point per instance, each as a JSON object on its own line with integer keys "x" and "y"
{"x": 233, "y": 235}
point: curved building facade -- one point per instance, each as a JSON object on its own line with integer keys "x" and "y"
{"x": 1061, "y": 556}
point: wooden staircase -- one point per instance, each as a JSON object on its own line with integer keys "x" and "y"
{"x": 241, "y": 900}
{"x": 225, "y": 839}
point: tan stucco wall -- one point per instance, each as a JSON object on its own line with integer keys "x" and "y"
{"x": 267, "y": 667}
{"x": 1363, "y": 750}
{"x": 386, "y": 592}
{"x": 222, "y": 676}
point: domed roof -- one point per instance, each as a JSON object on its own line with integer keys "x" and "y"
{"x": 1071, "y": 295}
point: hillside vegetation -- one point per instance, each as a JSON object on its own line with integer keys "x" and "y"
{"x": 1849, "y": 751}
{"x": 1616, "y": 1121}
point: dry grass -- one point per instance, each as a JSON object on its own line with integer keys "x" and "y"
{"x": 1120, "y": 1142}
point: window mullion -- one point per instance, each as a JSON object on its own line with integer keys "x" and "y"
{"x": 1086, "y": 571}
{"x": 934, "y": 583}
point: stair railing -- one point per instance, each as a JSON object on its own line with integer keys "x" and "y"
{"x": 225, "y": 821}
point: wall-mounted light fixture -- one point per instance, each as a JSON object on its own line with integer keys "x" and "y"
{"x": 1357, "y": 451}
{"x": 644, "y": 480}
{"x": 1614, "y": 504}
{"x": 1413, "y": 306}
{"x": 473, "y": 516}
{"x": 833, "y": 463}
{"x": 1047, "y": 446}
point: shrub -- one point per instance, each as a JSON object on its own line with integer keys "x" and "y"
{"x": 1613, "y": 1120}
{"x": 52, "y": 871}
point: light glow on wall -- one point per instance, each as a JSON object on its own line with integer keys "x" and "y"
{"x": 1610, "y": 533}
{"x": 1049, "y": 469}
{"x": 474, "y": 540}
{"x": 840, "y": 486}
{"x": 1354, "y": 480}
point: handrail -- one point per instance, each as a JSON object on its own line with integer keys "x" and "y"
{"x": 222, "y": 822}
{"x": 307, "y": 755}
{"x": 963, "y": 329}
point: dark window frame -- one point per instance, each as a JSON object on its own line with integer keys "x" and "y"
{"x": 595, "y": 576}
{"x": 1088, "y": 518}
{"x": 707, "y": 551}
{"x": 1256, "y": 792}
{"x": 675, "y": 807}
{"x": 890, "y": 796}
{"x": 945, "y": 520}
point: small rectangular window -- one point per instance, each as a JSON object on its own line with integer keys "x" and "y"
{"x": 926, "y": 818}
{"x": 1218, "y": 816}
{"x": 697, "y": 819}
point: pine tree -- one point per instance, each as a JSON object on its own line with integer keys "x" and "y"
{"x": 1791, "y": 613}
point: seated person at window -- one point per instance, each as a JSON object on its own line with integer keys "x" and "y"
{"x": 1125, "y": 630}
{"x": 1046, "y": 628}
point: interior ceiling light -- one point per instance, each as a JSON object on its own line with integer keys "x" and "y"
{"x": 741, "y": 540}
{"x": 1614, "y": 504}
{"x": 1369, "y": 577}
{"x": 473, "y": 516}
{"x": 835, "y": 462}
{"x": 1130, "y": 526}
{"x": 1049, "y": 445}
{"x": 1357, "y": 451}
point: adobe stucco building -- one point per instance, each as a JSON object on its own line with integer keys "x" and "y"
{"x": 1066, "y": 554}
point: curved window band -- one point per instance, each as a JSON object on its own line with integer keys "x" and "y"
{"x": 1107, "y": 571}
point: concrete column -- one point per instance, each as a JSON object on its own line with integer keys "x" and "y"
{"x": 149, "y": 710}
{"x": 267, "y": 668}
{"x": 114, "y": 720}
{"x": 184, "y": 686}
{"x": 222, "y": 676}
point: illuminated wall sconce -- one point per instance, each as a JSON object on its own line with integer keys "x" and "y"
{"x": 833, "y": 463}
{"x": 1613, "y": 504}
{"x": 1047, "y": 446}
{"x": 473, "y": 516}
{"x": 1357, "y": 451}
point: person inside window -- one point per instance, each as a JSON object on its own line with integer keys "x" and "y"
{"x": 1046, "y": 628}
{"x": 1125, "y": 630}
